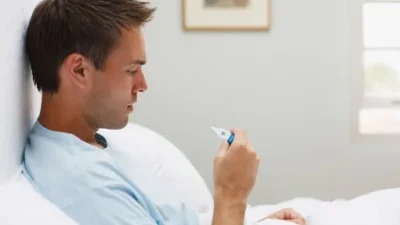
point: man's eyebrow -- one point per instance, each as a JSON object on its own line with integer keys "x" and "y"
{"x": 138, "y": 61}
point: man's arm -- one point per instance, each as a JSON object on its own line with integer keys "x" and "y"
{"x": 228, "y": 211}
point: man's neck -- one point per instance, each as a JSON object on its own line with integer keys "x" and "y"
{"x": 64, "y": 118}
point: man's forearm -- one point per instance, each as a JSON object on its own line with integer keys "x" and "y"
{"x": 229, "y": 211}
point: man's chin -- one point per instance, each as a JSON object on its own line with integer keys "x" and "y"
{"x": 117, "y": 126}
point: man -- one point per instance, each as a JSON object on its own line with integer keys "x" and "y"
{"x": 86, "y": 57}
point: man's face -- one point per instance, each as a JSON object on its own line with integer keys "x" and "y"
{"x": 113, "y": 91}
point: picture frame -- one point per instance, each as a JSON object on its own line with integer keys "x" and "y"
{"x": 226, "y": 15}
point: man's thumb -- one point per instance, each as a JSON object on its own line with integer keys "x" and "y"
{"x": 224, "y": 146}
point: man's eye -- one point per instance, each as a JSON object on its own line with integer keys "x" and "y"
{"x": 132, "y": 72}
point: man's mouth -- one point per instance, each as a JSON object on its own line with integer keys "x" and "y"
{"x": 130, "y": 107}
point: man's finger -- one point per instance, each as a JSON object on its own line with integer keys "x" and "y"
{"x": 240, "y": 136}
{"x": 291, "y": 214}
{"x": 288, "y": 214}
{"x": 224, "y": 146}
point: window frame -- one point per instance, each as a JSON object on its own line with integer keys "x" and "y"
{"x": 356, "y": 71}
{"x": 372, "y": 101}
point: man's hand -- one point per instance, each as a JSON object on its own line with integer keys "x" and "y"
{"x": 236, "y": 168}
{"x": 288, "y": 215}
{"x": 235, "y": 171}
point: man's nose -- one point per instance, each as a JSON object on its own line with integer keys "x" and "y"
{"x": 141, "y": 85}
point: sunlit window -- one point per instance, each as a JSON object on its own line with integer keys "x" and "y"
{"x": 380, "y": 112}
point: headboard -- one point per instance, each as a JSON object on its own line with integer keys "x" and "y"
{"x": 15, "y": 85}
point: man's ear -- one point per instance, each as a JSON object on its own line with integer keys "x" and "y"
{"x": 78, "y": 68}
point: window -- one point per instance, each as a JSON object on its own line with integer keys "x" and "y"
{"x": 379, "y": 112}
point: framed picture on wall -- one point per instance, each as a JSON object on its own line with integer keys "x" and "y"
{"x": 226, "y": 15}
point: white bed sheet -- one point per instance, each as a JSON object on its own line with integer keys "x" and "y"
{"x": 375, "y": 208}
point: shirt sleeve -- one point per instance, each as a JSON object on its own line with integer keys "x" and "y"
{"x": 106, "y": 206}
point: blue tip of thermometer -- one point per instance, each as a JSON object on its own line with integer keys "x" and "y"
{"x": 224, "y": 134}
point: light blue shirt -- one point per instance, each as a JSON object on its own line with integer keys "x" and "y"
{"x": 96, "y": 187}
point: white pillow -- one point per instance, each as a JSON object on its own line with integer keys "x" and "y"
{"x": 164, "y": 161}
{"x": 20, "y": 204}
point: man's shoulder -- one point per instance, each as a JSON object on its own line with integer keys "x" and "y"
{"x": 50, "y": 168}
{"x": 61, "y": 169}
{"x": 47, "y": 151}
{"x": 84, "y": 184}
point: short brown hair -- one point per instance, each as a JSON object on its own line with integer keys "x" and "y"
{"x": 59, "y": 28}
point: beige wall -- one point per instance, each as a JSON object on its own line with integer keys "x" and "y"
{"x": 289, "y": 88}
